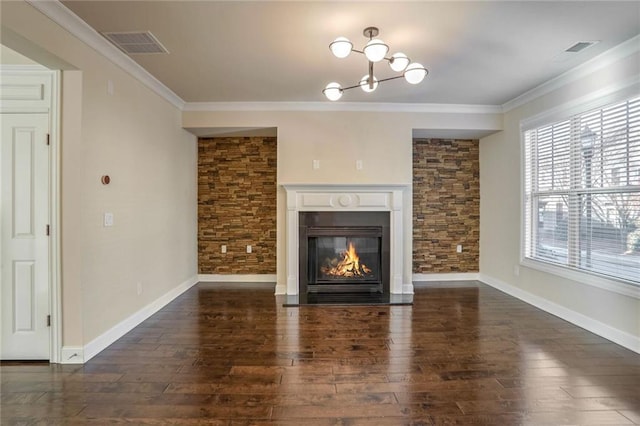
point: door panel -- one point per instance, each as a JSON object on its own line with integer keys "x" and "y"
{"x": 23, "y": 296}
{"x": 23, "y": 177}
{"x": 24, "y": 185}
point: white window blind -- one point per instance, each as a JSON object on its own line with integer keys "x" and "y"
{"x": 582, "y": 192}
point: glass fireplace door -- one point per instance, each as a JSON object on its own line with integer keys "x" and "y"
{"x": 347, "y": 259}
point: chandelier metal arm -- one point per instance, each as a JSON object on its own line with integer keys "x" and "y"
{"x": 379, "y": 81}
{"x": 362, "y": 53}
{"x": 391, "y": 78}
{"x": 350, "y": 87}
{"x": 390, "y": 60}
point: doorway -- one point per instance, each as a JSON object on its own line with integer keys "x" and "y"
{"x": 28, "y": 195}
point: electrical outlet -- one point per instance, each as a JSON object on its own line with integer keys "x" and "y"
{"x": 139, "y": 288}
{"x": 108, "y": 219}
{"x": 223, "y": 248}
{"x": 316, "y": 164}
{"x": 516, "y": 270}
{"x": 358, "y": 164}
{"x": 249, "y": 249}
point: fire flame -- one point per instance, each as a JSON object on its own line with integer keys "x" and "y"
{"x": 348, "y": 267}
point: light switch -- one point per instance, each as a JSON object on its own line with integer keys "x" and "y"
{"x": 248, "y": 249}
{"x": 108, "y": 219}
{"x": 223, "y": 248}
{"x": 459, "y": 248}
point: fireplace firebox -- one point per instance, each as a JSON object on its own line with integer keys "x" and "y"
{"x": 344, "y": 253}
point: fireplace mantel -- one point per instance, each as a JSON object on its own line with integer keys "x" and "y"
{"x": 310, "y": 197}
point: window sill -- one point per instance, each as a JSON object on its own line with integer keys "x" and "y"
{"x": 616, "y": 286}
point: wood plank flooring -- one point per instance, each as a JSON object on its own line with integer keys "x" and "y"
{"x": 220, "y": 356}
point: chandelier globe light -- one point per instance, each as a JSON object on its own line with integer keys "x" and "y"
{"x": 367, "y": 84}
{"x": 375, "y": 51}
{"x": 333, "y": 91}
{"x": 341, "y": 47}
{"x": 398, "y": 62}
{"x": 415, "y": 73}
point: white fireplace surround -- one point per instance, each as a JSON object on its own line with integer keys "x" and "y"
{"x": 310, "y": 198}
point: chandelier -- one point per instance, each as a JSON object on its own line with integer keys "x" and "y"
{"x": 375, "y": 51}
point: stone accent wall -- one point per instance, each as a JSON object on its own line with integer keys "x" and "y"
{"x": 446, "y": 205}
{"x": 237, "y": 205}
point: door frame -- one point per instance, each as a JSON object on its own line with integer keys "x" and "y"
{"x": 52, "y": 80}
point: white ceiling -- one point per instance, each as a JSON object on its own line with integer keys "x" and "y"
{"x": 477, "y": 52}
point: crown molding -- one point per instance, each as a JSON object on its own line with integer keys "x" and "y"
{"x": 68, "y": 20}
{"x": 603, "y": 60}
{"x": 341, "y": 107}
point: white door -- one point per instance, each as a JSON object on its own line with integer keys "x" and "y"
{"x": 24, "y": 268}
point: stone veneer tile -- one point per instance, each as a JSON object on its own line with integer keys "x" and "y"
{"x": 237, "y": 205}
{"x": 446, "y": 205}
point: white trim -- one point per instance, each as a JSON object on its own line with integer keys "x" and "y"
{"x": 237, "y": 278}
{"x": 617, "y": 92}
{"x": 584, "y": 277}
{"x": 619, "y": 337}
{"x": 24, "y": 110}
{"x": 349, "y": 198}
{"x": 343, "y": 106}
{"x": 599, "y": 62}
{"x": 454, "y": 276}
{"x": 55, "y": 269}
{"x": 72, "y": 355}
{"x": 281, "y": 289}
{"x": 68, "y": 20}
{"x": 101, "y": 342}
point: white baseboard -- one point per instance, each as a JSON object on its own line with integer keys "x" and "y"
{"x": 72, "y": 355}
{"x": 620, "y": 337}
{"x": 454, "y": 276}
{"x": 232, "y": 278}
{"x": 101, "y": 342}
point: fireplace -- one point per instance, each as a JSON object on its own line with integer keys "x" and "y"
{"x": 344, "y": 252}
{"x": 356, "y": 202}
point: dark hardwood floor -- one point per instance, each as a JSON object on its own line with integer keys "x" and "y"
{"x": 465, "y": 355}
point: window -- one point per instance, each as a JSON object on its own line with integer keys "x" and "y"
{"x": 582, "y": 192}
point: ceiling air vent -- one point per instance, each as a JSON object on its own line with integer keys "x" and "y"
{"x": 580, "y": 46}
{"x": 136, "y": 42}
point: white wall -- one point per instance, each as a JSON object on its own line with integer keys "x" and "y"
{"x": 608, "y": 313}
{"x": 136, "y": 138}
{"x": 11, "y": 57}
